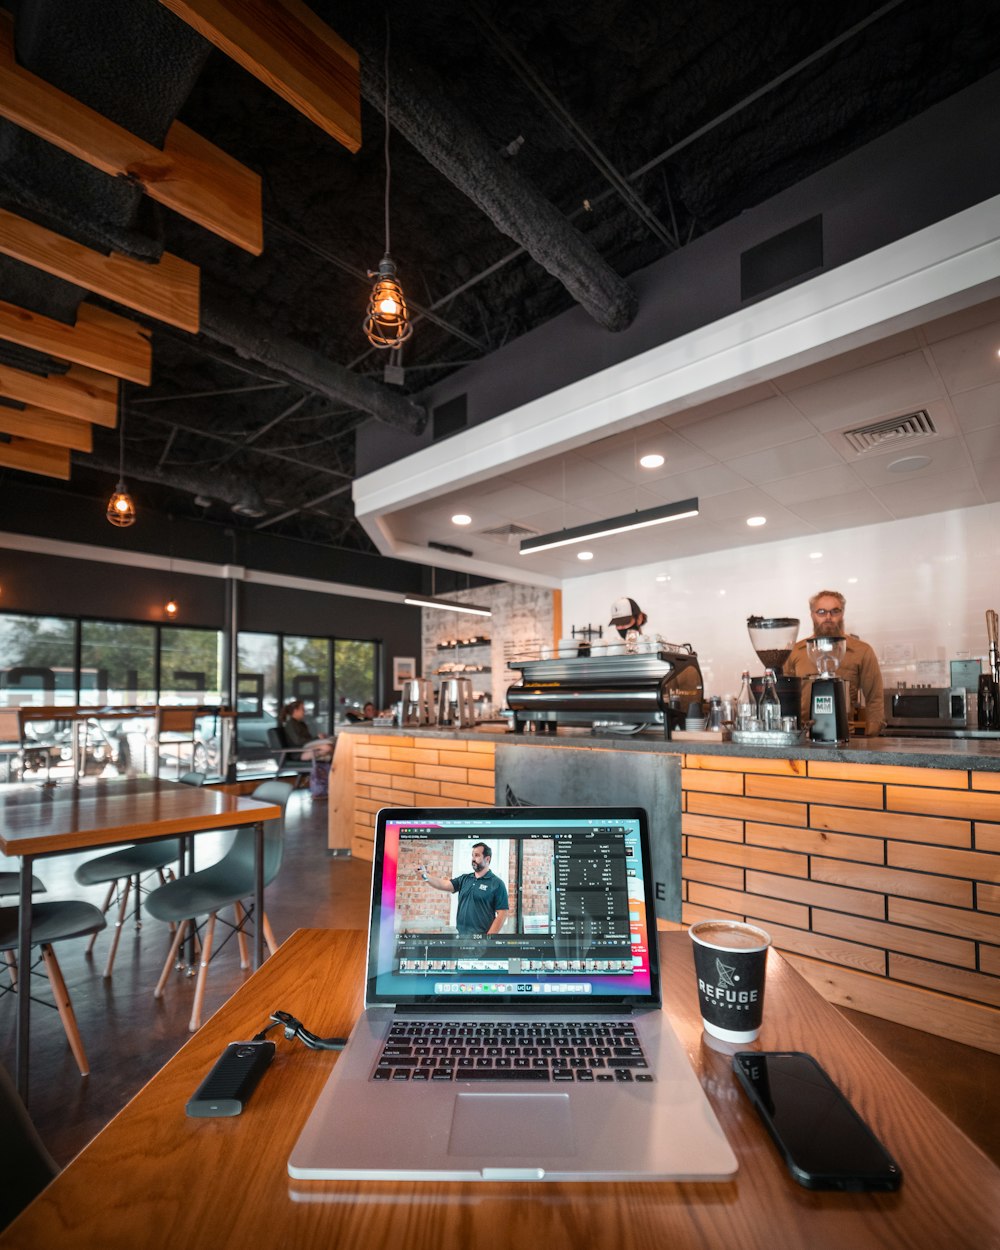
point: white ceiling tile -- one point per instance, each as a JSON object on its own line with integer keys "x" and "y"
{"x": 714, "y": 479}
{"x": 983, "y": 444}
{"x": 570, "y": 477}
{"x": 847, "y": 362}
{"x": 740, "y": 504}
{"x": 745, "y": 430}
{"x": 969, "y": 360}
{"x": 978, "y": 408}
{"x": 920, "y": 496}
{"x": 758, "y": 393}
{"x": 961, "y": 322}
{"x": 790, "y": 458}
{"x": 858, "y": 507}
{"x": 511, "y": 500}
{"x": 835, "y": 479}
{"x": 878, "y": 391}
{"x": 621, "y": 454}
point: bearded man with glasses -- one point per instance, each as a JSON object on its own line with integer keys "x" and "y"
{"x": 860, "y": 667}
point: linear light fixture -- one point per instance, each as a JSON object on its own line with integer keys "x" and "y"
{"x": 446, "y": 605}
{"x": 613, "y": 525}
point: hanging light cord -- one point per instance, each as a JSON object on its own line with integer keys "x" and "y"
{"x": 121, "y": 431}
{"x": 388, "y": 167}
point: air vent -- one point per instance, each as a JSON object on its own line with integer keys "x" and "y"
{"x": 509, "y": 534}
{"x": 897, "y": 430}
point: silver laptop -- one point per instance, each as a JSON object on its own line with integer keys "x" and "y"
{"x": 512, "y": 1026}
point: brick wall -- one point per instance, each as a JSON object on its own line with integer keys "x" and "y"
{"x": 878, "y": 871}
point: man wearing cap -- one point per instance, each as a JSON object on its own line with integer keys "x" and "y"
{"x": 627, "y": 617}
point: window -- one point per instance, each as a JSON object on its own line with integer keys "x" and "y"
{"x": 355, "y": 669}
{"x": 37, "y": 661}
{"x": 117, "y": 663}
{"x": 190, "y": 666}
{"x": 306, "y": 676}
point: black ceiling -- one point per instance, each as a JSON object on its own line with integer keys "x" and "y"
{"x": 722, "y": 105}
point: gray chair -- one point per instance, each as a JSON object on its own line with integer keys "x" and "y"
{"x": 124, "y": 870}
{"x": 289, "y": 758}
{"x": 51, "y": 922}
{"x": 228, "y": 883}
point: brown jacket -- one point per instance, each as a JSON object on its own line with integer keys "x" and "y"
{"x": 860, "y": 670}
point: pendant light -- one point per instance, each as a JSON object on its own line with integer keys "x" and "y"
{"x": 121, "y": 508}
{"x": 387, "y": 324}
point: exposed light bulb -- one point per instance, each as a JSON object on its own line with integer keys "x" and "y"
{"x": 121, "y": 508}
{"x": 170, "y": 607}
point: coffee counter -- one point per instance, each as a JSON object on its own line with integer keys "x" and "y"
{"x": 875, "y": 866}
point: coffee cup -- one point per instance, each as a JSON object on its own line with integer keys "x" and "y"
{"x": 730, "y": 959}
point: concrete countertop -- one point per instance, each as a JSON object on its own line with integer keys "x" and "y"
{"x": 954, "y": 753}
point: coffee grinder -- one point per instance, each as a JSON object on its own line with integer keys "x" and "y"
{"x": 773, "y": 637}
{"x": 828, "y": 694}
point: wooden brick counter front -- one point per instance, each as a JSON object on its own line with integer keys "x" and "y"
{"x": 883, "y": 880}
{"x": 880, "y": 881}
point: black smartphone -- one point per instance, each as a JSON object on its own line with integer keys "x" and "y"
{"x": 823, "y": 1140}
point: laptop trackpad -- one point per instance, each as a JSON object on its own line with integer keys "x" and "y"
{"x": 512, "y": 1124}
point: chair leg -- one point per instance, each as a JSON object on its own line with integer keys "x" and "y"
{"x": 171, "y": 956}
{"x": 199, "y": 990}
{"x": 272, "y": 945}
{"x": 241, "y": 937}
{"x": 104, "y": 911}
{"x": 11, "y": 960}
{"x": 115, "y": 937}
{"x": 61, "y": 995}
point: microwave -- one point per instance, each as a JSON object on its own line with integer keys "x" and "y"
{"x": 926, "y": 707}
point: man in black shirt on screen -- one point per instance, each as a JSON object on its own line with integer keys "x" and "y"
{"x": 482, "y": 897}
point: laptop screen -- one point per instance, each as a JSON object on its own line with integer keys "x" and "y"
{"x": 541, "y": 906}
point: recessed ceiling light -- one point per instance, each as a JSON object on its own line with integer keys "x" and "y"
{"x": 585, "y": 555}
{"x": 756, "y": 520}
{"x": 908, "y": 464}
{"x": 815, "y": 555}
{"x": 460, "y": 518}
{"x": 652, "y": 461}
{"x": 851, "y": 581}
{"x": 662, "y": 577}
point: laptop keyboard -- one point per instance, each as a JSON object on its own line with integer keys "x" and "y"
{"x": 429, "y": 1050}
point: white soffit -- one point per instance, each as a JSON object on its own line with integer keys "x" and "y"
{"x": 936, "y": 271}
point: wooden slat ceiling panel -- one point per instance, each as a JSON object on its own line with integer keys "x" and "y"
{"x": 80, "y": 392}
{"x": 168, "y": 290}
{"x": 32, "y": 457}
{"x": 46, "y": 427}
{"x": 190, "y": 175}
{"x": 286, "y": 46}
{"x": 101, "y": 340}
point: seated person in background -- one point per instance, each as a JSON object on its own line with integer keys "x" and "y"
{"x": 298, "y": 731}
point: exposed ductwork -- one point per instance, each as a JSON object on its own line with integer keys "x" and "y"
{"x": 421, "y": 112}
{"x": 251, "y": 340}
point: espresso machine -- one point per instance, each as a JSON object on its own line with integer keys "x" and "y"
{"x": 773, "y": 637}
{"x": 418, "y": 702}
{"x": 828, "y": 693}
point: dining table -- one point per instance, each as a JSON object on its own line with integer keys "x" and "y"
{"x": 41, "y": 821}
{"x": 159, "y": 1178}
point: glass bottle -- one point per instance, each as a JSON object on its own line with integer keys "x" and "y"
{"x": 770, "y": 704}
{"x": 746, "y": 704}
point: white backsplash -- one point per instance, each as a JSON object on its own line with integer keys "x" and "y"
{"x": 521, "y": 623}
{"x": 917, "y": 591}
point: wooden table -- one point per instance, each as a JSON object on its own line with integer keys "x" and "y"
{"x": 42, "y": 821}
{"x": 156, "y": 1178}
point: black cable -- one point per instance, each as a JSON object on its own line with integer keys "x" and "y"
{"x": 296, "y": 1029}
